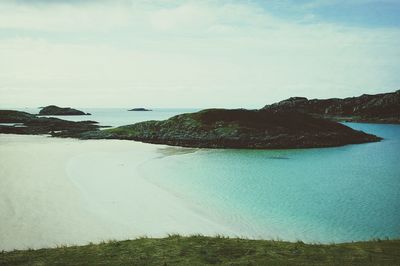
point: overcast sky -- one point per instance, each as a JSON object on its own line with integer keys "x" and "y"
{"x": 123, "y": 53}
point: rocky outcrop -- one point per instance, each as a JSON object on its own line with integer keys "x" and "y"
{"x": 240, "y": 128}
{"x": 140, "y": 109}
{"x": 24, "y": 123}
{"x": 379, "y": 108}
{"x": 55, "y": 110}
{"x": 11, "y": 116}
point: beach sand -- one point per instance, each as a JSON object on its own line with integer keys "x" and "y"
{"x": 67, "y": 191}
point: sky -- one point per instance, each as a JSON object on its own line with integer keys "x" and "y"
{"x": 205, "y": 53}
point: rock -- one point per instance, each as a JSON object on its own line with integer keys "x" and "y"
{"x": 33, "y": 125}
{"x": 11, "y": 116}
{"x": 140, "y": 109}
{"x": 55, "y": 110}
{"x": 379, "y": 108}
{"x": 240, "y": 128}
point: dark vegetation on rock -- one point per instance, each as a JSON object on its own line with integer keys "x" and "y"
{"x": 201, "y": 250}
{"x": 293, "y": 123}
{"x": 240, "y": 128}
{"x": 140, "y": 109}
{"x": 379, "y": 108}
{"x": 55, "y": 110}
{"x": 33, "y": 125}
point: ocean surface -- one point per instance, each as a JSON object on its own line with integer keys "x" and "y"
{"x": 324, "y": 195}
{"x": 317, "y": 195}
{"x": 117, "y": 116}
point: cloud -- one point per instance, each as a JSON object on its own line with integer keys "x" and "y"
{"x": 183, "y": 53}
{"x": 62, "y": 17}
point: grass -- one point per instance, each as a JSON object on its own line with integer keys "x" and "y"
{"x": 201, "y": 250}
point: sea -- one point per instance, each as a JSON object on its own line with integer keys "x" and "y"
{"x": 321, "y": 195}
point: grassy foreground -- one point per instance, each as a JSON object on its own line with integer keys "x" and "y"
{"x": 201, "y": 250}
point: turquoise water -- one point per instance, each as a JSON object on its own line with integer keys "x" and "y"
{"x": 316, "y": 195}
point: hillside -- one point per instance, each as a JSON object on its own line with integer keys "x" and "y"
{"x": 379, "y": 108}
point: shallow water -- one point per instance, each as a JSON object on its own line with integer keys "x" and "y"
{"x": 325, "y": 195}
{"x": 317, "y": 195}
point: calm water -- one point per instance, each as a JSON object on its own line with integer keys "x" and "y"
{"x": 319, "y": 195}
{"x": 117, "y": 116}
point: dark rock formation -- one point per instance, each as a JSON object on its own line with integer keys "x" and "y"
{"x": 55, "y": 110}
{"x": 257, "y": 129}
{"x": 10, "y": 116}
{"x": 25, "y": 123}
{"x": 140, "y": 109}
{"x": 379, "y": 108}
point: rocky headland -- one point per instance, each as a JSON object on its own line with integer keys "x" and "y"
{"x": 55, "y": 110}
{"x": 378, "y": 108}
{"x": 239, "y": 128}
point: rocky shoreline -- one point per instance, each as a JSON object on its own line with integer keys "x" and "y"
{"x": 239, "y": 128}
{"x": 15, "y": 122}
{"x": 379, "y": 108}
{"x": 293, "y": 123}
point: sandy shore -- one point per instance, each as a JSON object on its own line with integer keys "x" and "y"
{"x": 66, "y": 191}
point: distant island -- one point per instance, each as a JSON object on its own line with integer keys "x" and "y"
{"x": 140, "y": 109}
{"x": 55, "y": 110}
{"x": 240, "y": 128}
{"x": 378, "y": 108}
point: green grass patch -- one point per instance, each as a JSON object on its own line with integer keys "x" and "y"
{"x": 201, "y": 250}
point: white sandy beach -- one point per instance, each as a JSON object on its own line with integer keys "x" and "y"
{"x": 67, "y": 191}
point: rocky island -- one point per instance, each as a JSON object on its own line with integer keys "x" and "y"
{"x": 378, "y": 108}
{"x": 141, "y": 109}
{"x": 293, "y": 123}
{"x": 15, "y": 122}
{"x": 239, "y": 128}
{"x": 55, "y": 110}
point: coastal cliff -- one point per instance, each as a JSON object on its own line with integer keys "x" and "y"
{"x": 240, "y": 128}
{"x": 378, "y": 108}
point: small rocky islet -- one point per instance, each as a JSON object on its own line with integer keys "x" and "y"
{"x": 55, "y": 110}
{"x": 140, "y": 109}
